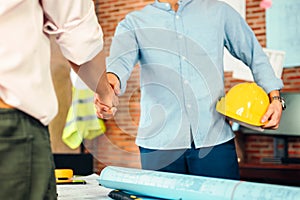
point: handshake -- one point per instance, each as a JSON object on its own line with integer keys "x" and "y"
{"x": 106, "y": 103}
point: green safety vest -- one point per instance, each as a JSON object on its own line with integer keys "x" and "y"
{"x": 82, "y": 121}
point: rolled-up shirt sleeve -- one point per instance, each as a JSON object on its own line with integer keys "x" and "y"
{"x": 124, "y": 53}
{"x": 76, "y": 27}
{"x": 242, "y": 43}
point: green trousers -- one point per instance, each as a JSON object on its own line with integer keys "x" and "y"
{"x": 26, "y": 162}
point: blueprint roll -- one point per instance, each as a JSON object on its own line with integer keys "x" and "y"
{"x": 166, "y": 185}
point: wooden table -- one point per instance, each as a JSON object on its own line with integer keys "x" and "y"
{"x": 283, "y": 174}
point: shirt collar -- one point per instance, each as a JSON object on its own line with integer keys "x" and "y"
{"x": 162, "y": 5}
{"x": 166, "y": 6}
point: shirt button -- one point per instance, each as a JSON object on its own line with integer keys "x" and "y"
{"x": 177, "y": 16}
{"x": 183, "y": 58}
{"x": 180, "y": 36}
{"x": 188, "y": 105}
{"x": 186, "y": 82}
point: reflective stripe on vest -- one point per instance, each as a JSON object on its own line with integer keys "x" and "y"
{"x": 82, "y": 122}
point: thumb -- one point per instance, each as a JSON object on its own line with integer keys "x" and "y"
{"x": 117, "y": 89}
{"x": 114, "y": 82}
{"x": 266, "y": 116}
{"x": 116, "y": 86}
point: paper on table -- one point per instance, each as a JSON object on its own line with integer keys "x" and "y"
{"x": 178, "y": 186}
{"x": 90, "y": 191}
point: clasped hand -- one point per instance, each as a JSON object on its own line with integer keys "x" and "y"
{"x": 106, "y": 110}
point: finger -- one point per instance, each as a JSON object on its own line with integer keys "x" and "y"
{"x": 99, "y": 115}
{"x": 104, "y": 115}
{"x": 266, "y": 116}
{"x": 96, "y": 97}
{"x": 115, "y": 101}
{"x": 114, "y": 110}
{"x": 270, "y": 127}
{"x": 98, "y": 102}
{"x": 104, "y": 108}
{"x": 100, "y": 105}
{"x": 107, "y": 115}
{"x": 273, "y": 122}
{"x": 101, "y": 110}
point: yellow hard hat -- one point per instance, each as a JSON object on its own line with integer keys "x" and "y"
{"x": 245, "y": 102}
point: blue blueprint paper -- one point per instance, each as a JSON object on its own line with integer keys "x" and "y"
{"x": 166, "y": 185}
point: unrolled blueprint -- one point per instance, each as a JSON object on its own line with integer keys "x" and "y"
{"x": 187, "y": 187}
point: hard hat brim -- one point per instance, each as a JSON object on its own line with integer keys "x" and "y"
{"x": 221, "y": 108}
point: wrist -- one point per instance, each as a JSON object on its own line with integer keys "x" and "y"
{"x": 280, "y": 99}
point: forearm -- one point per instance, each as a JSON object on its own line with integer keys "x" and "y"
{"x": 93, "y": 73}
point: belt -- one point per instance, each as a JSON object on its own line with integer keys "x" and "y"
{"x": 4, "y": 105}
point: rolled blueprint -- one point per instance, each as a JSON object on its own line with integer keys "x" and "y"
{"x": 167, "y": 185}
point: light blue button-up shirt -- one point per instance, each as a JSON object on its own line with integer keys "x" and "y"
{"x": 181, "y": 61}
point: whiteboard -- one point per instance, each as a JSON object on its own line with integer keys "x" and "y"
{"x": 283, "y": 29}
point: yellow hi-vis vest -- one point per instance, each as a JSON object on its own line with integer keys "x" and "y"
{"x": 82, "y": 122}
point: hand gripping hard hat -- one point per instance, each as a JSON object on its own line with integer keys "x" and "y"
{"x": 245, "y": 102}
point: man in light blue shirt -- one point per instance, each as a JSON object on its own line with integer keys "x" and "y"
{"x": 179, "y": 46}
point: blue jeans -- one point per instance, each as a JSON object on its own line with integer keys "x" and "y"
{"x": 218, "y": 161}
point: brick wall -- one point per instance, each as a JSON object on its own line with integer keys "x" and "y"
{"x": 258, "y": 147}
{"x": 117, "y": 146}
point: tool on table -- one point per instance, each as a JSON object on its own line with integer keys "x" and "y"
{"x": 120, "y": 195}
{"x": 65, "y": 176}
